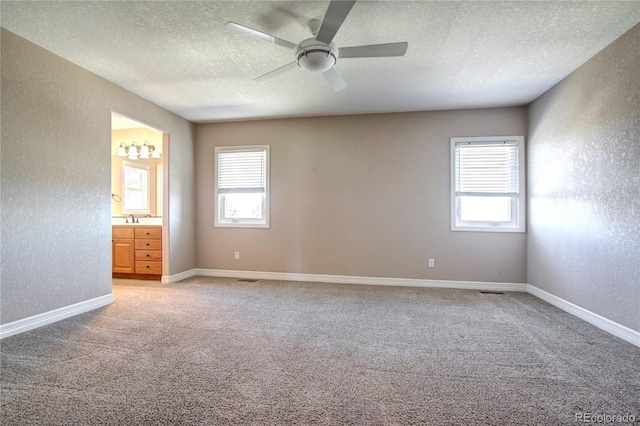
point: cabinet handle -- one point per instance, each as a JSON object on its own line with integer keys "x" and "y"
{"x": 147, "y": 266}
{"x": 147, "y": 243}
{"x": 147, "y": 255}
{"x": 147, "y": 233}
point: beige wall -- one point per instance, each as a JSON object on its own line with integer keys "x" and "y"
{"x": 359, "y": 195}
{"x": 584, "y": 185}
{"x": 55, "y": 171}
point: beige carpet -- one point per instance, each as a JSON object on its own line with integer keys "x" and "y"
{"x": 218, "y": 351}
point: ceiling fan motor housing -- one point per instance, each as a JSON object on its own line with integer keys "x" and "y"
{"x": 316, "y": 56}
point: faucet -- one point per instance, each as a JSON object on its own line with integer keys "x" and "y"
{"x": 133, "y": 219}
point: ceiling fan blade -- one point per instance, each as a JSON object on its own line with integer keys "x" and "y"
{"x": 232, "y": 26}
{"x": 374, "y": 50}
{"x": 333, "y": 19}
{"x": 335, "y": 80}
{"x": 277, "y": 71}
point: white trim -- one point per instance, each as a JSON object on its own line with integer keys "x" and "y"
{"x": 348, "y": 279}
{"x": 601, "y": 322}
{"x": 170, "y": 279}
{"x": 518, "y": 223}
{"x": 265, "y": 221}
{"x": 55, "y": 315}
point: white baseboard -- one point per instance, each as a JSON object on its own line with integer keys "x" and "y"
{"x": 601, "y": 322}
{"x": 55, "y": 315}
{"x": 170, "y": 279}
{"x": 348, "y": 279}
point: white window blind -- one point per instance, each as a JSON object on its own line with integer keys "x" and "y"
{"x": 487, "y": 184}
{"x": 242, "y": 186}
{"x": 135, "y": 189}
{"x": 242, "y": 171}
{"x": 486, "y": 168}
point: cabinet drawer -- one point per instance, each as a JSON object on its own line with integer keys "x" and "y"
{"x": 149, "y": 233}
{"x": 149, "y": 255}
{"x": 118, "y": 233}
{"x": 148, "y": 244}
{"x": 154, "y": 268}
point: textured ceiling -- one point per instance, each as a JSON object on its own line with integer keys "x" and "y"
{"x": 461, "y": 54}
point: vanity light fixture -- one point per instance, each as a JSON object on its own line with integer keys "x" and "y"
{"x": 134, "y": 151}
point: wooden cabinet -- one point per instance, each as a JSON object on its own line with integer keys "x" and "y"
{"x": 137, "y": 252}
{"x": 148, "y": 250}
{"x": 122, "y": 250}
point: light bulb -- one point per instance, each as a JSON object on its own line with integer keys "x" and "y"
{"x": 144, "y": 151}
{"x": 133, "y": 151}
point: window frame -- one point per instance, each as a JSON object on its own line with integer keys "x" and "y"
{"x": 518, "y": 212}
{"x": 145, "y": 191}
{"x": 219, "y": 198}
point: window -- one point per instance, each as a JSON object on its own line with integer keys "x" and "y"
{"x": 242, "y": 186}
{"x": 487, "y": 184}
{"x": 136, "y": 188}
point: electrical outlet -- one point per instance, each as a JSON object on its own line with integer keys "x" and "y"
{"x": 236, "y": 255}
{"x": 432, "y": 263}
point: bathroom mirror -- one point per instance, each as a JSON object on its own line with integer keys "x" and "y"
{"x": 135, "y": 181}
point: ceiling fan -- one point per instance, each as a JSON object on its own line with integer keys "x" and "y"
{"x": 319, "y": 53}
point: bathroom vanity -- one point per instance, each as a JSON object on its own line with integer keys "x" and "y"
{"x": 136, "y": 251}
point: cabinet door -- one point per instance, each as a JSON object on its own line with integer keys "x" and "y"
{"x": 123, "y": 255}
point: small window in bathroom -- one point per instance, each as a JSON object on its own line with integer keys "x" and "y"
{"x": 136, "y": 188}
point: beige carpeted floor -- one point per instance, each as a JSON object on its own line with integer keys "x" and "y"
{"x": 216, "y": 351}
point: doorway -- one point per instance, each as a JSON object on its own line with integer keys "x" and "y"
{"x": 139, "y": 199}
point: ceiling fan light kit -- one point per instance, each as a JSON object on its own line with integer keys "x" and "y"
{"x": 318, "y": 54}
